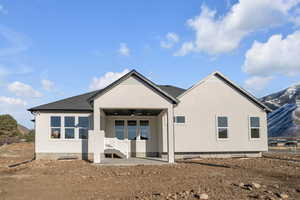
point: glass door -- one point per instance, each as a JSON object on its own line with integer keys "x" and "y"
{"x": 132, "y": 129}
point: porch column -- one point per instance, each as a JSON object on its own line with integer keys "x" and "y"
{"x": 98, "y": 138}
{"x": 171, "y": 150}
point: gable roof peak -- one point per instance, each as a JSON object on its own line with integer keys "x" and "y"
{"x": 143, "y": 78}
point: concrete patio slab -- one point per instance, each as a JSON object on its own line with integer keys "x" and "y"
{"x": 131, "y": 161}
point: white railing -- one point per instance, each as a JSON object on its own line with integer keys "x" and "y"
{"x": 120, "y": 145}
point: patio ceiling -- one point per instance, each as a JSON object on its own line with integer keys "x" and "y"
{"x": 132, "y": 112}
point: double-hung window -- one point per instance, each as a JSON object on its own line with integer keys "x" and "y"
{"x": 254, "y": 128}
{"x": 222, "y": 127}
{"x": 83, "y": 124}
{"x": 55, "y": 123}
{"x": 69, "y": 127}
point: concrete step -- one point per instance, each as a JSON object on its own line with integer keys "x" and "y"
{"x": 115, "y": 151}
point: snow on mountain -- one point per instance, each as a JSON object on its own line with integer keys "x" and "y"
{"x": 284, "y": 121}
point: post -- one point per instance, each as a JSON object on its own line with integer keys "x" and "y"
{"x": 171, "y": 156}
{"x": 98, "y": 135}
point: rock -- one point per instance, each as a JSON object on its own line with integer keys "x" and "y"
{"x": 269, "y": 192}
{"x": 156, "y": 194}
{"x": 204, "y": 196}
{"x": 248, "y": 187}
{"x": 254, "y": 196}
{"x": 276, "y": 186}
{"x": 256, "y": 185}
{"x": 283, "y": 196}
{"x": 241, "y": 185}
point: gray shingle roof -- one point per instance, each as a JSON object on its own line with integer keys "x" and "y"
{"x": 172, "y": 90}
{"x": 81, "y": 102}
{"x": 75, "y": 103}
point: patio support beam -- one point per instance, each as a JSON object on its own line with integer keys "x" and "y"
{"x": 171, "y": 156}
{"x": 98, "y": 143}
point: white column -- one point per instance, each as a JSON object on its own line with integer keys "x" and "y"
{"x": 94, "y": 137}
{"x": 98, "y": 136}
{"x": 171, "y": 156}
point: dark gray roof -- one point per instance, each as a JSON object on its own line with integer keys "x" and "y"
{"x": 75, "y": 103}
{"x": 172, "y": 90}
{"x": 81, "y": 102}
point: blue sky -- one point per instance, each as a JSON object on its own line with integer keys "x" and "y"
{"x": 51, "y": 49}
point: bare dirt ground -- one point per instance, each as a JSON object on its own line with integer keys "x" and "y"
{"x": 218, "y": 178}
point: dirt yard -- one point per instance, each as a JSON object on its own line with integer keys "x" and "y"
{"x": 275, "y": 177}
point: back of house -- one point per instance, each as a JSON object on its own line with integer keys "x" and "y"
{"x": 134, "y": 117}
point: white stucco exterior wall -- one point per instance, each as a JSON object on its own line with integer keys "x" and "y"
{"x": 202, "y": 104}
{"x": 44, "y": 143}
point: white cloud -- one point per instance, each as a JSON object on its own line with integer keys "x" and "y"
{"x": 47, "y": 85}
{"x": 108, "y": 78}
{"x": 124, "y": 50}
{"x": 12, "y": 101}
{"x": 24, "y": 90}
{"x": 185, "y": 49}
{"x": 222, "y": 34}
{"x": 277, "y": 56}
{"x": 257, "y": 83}
{"x": 171, "y": 40}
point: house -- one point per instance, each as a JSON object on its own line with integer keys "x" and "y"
{"x": 134, "y": 117}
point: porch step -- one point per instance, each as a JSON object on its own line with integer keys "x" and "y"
{"x": 115, "y": 151}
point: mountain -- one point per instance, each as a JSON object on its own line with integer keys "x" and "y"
{"x": 22, "y": 129}
{"x": 286, "y": 96}
{"x": 284, "y": 120}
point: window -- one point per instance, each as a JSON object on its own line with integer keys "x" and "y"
{"x": 69, "y": 127}
{"x": 119, "y": 129}
{"x": 222, "y": 127}
{"x": 254, "y": 127}
{"x": 132, "y": 129}
{"x": 55, "y": 123}
{"x": 83, "y": 124}
{"x": 145, "y": 129}
{"x": 179, "y": 119}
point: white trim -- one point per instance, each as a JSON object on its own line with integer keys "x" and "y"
{"x": 217, "y": 127}
{"x": 62, "y": 128}
{"x": 74, "y": 128}
{"x": 250, "y": 128}
{"x": 138, "y": 133}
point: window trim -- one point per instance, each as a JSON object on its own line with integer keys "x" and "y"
{"x": 250, "y": 128}
{"x": 62, "y": 131}
{"x": 138, "y": 128}
{"x": 60, "y": 127}
{"x": 217, "y": 127}
{"x": 69, "y": 127}
{"x": 87, "y": 128}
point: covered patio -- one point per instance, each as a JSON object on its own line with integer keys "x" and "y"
{"x": 135, "y": 135}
